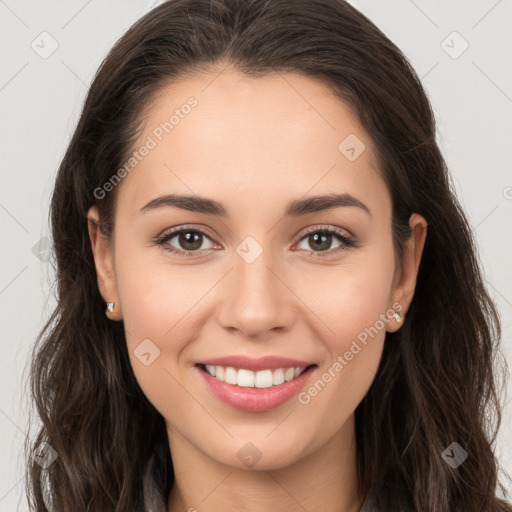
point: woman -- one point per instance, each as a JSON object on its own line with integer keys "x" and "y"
{"x": 269, "y": 297}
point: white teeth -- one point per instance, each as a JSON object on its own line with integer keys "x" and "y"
{"x": 245, "y": 378}
{"x": 249, "y": 379}
{"x": 278, "y": 377}
{"x": 263, "y": 379}
{"x": 289, "y": 374}
{"x": 219, "y": 372}
{"x": 230, "y": 375}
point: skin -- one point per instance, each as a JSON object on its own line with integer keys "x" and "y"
{"x": 255, "y": 145}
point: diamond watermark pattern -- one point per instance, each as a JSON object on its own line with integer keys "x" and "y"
{"x": 454, "y": 455}
{"x": 454, "y": 45}
{"x": 45, "y": 455}
{"x": 146, "y": 352}
{"x": 249, "y": 250}
{"x": 351, "y": 147}
{"x": 42, "y": 249}
{"x": 249, "y": 454}
{"x": 45, "y": 45}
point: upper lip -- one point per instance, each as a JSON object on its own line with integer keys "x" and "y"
{"x": 255, "y": 364}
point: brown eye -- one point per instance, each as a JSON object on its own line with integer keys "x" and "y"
{"x": 185, "y": 242}
{"x": 321, "y": 240}
{"x": 190, "y": 240}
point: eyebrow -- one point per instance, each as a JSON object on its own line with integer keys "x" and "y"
{"x": 296, "y": 208}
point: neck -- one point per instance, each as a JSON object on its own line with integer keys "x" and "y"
{"x": 325, "y": 480}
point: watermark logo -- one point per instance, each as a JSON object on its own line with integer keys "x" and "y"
{"x": 249, "y": 249}
{"x": 249, "y": 454}
{"x": 45, "y": 455}
{"x": 146, "y": 352}
{"x": 42, "y": 249}
{"x": 351, "y": 147}
{"x": 454, "y": 455}
{"x": 45, "y": 45}
{"x": 454, "y": 45}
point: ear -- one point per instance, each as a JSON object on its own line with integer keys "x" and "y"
{"x": 104, "y": 263}
{"x": 405, "y": 280}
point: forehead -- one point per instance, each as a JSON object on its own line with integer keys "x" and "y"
{"x": 260, "y": 137}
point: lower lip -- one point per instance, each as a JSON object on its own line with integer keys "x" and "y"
{"x": 255, "y": 399}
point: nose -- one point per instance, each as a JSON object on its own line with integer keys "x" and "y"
{"x": 256, "y": 299}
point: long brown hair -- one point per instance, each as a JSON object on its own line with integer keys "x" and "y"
{"x": 437, "y": 382}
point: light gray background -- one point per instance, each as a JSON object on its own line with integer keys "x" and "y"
{"x": 40, "y": 100}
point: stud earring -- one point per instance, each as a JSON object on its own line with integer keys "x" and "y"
{"x": 398, "y": 318}
{"x": 110, "y": 307}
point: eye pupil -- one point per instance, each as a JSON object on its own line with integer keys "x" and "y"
{"x": 192, "y": 238}
{"x": 320, "y": 240}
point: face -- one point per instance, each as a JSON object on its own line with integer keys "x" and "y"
{"x": 317, "y": 285}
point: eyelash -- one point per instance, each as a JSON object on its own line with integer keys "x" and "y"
{"x": 347, "y": 241}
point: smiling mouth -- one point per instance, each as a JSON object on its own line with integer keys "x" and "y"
{"x": 242, "y": 377}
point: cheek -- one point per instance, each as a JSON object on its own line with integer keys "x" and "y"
{"x": 153, "y": 301}
{"x": 350, "y": 299}
{"x": 163, "y": 310}
{"x": 156, "y": 298}
{"x": 354, "y": 308}
{"x": 358, "y": 303}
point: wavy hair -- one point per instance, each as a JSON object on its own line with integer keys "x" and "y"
{"x": 437, "y": 382}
